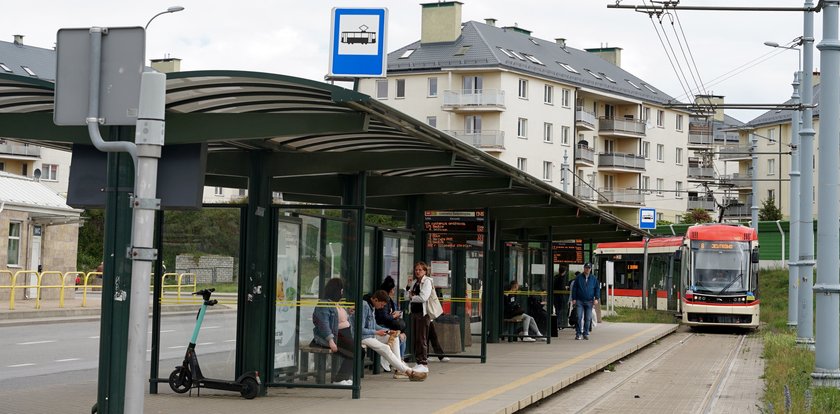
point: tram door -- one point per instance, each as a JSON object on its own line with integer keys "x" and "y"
{"x": 527, "y": 264}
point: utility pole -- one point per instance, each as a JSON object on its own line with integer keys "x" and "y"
{"x": 827, "y": 340}
{"x": 754, "y": 176}
{"x": 793, "y": 268}
{"x": 805, "y": 314}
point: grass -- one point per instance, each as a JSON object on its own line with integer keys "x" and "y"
{"x": 231, "y": 287}
{"x": 641, "y": 316}
{"x": 786, "y": 365}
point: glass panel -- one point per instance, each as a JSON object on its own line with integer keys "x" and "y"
{"x": 319, "y": 317}
{"x": 368, "y": 271}
{"x": 200, "y": 250}
{"x": 526, "y": 279}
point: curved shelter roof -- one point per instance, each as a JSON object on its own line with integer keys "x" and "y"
{"x": 312, "y": 133}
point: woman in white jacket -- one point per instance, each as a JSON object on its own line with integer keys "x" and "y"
{"x": 419, "y": 292}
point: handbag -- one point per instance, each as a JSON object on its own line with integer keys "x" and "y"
{"x": 433, "y": 307}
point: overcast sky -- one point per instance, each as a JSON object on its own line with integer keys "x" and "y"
{"x": 292, "y": 37}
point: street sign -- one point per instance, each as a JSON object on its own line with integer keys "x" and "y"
{"x": 121, "y": 65}
{"x": 647, "y": 218}
{"x": 357, "y": 42}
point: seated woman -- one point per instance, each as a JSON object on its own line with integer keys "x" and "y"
{"x": 333, "y": 329}
{"x": 515, "y": 312}
{"x": 378, "y": 338}
{"x": 390, "y": 317}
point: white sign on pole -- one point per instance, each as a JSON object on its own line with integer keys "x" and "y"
{"x": 440, "y": 273}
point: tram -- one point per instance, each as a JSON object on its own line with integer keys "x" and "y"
{"x": 719, "y": 273}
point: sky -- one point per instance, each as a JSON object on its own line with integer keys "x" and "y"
{"x": 292, "y": 37}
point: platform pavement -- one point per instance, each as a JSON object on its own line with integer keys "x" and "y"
{"x": 514, "y": 376}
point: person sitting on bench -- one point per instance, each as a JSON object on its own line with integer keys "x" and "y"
{"x": 381, "y": 339}
{"x": 515, "y": 312}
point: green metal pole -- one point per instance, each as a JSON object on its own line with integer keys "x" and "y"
{"x": 116, "y": 280}
{"x": 355, "y": 194}
{"x": 157, "y": 291}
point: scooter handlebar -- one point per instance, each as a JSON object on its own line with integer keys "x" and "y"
{"x": 205, "y": 293}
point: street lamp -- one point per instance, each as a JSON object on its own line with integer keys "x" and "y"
{"x": 173, "y": 9}
{"x": 795, "y": 42}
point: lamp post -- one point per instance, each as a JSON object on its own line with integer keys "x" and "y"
{"x": 173, "y": 9}
{"x": 795, "y": 165}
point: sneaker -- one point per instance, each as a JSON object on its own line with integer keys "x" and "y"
{"x": 542, "y": 338}
{"x": 528, "y": 339}
{"x": 444, "y": 359}
{"x": 400, "y": 375}
{"x": 345, "y": 382}
{"x": 586, "y": 337}
{"x": 421, "y": 368}
{"x": 577, "y": 337}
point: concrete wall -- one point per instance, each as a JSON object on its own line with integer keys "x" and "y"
{"x": 208, "y": 268}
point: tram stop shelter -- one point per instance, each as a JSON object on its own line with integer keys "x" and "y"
{"x": 334, "y": 156}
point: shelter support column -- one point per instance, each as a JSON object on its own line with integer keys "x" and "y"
{"x": 354, "y": 194}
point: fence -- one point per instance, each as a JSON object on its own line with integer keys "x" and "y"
{"x": 18, "y": 283}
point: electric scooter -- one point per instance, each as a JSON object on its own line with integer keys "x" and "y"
{"x": 188, "y": 374}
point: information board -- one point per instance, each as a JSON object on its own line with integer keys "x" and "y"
{"x": 567, "y": 252}
{"x": 455, "y": 240}
{"x": 454, "y": 221}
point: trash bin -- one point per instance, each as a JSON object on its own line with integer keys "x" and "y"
{"x": 448, "y": 329}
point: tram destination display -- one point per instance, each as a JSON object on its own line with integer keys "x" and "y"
{"x": 454, "y": 221}
{"x": 567, "y": 252}
{"x": 455, "y": 240}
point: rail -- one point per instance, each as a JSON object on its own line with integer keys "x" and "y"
{"x": 21, "y": 280}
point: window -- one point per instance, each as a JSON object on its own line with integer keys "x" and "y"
{"x": 608, "y": 146}
{"x": 771, "y": 166}
{"x": 771, "y": 135}
{"x": 473, "y": 84}
{"x": 548, "y": 94}
{"x": 432, "y": 121}
{"x": 463, "y": 50}
{"x": 678, "y": 189}
{"x": 243, "y": 192}
{"x": 609, "y": 111}
{"x": 679, "y": 122}
{"x": 646, "y": 114}
{"x": 472, "y": 124}
{"x": 522, "y": 128}
{"x": 566, "y": 98}
{"x": 400, "y": 88}
{"x": 548, "y": 132}
{"x": 609, "y": 182}
{"x": 407, "y": 53}
{"x": 2, "y": 166}
{"x": 678, "y": 156}
{"x": 678, "y": 217}
{"x": 522, "y": 164}
{"x": 218, "y": 191}
{"x": 523, "y": 88}
{"x": 532, "y": 58}
{"x": 13, "y": 250}
{"x": 645, "y": 183}
{"x": 382, "y": 89}
{"x": 49, "y": 172}
{"x": 517, "y": 55}
{"x": 432, "y": 91}
{"x": 771, "y": 194}
{"x": 660, "y": 118}
{"x": 564, "y": 135}
{"x": 29, "y": 71}
{"x": 660, "y": 152}
{"x": 24, "y": 170}
{"x": 648, "y": 87}
{"x": 5, "y": 68}
{"x": 594, "y": 75}
{"x": 633, "y": 84}
{"x": 604, "y": 75}
{"x": 547, "y": 167}
{"x": 567, "y": 67}
{"x": 646, "y": 149}
{"x": 660, "y": 184}
{"x": 506, "y": 52}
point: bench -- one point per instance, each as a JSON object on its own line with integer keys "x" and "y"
{"x": 509, "y": 328}
{"x": 320, "y": 354}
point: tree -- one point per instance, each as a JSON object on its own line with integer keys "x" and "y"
{"x": 696, "y": 216}
{"x": 769, "y": 211}
{"x": 91, "y": 240}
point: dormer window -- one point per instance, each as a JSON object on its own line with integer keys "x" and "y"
{"x": 517, "y": 55}
{"x": 463, "y": 50}
{"x": 648, "y": 88}
{"x": 595, "y": 75}
{"x": 567, "y": 67}
{"x": 506, "y": 52}
{"x": 633, "y": 84}
{"x": 533, "y": 59}
{"x": 606, "y": 77}
{"x": 533, "y": 41}
{"x": 29, "y": 71}
{"x": 6, "y": 68}
{"x": 406, "y": 54}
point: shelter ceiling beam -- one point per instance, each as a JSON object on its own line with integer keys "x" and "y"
{"x": 505, "y": 213}
{"x": 472, "y": 201}
{"x": 578, "y": 223}
{"x": 302, "y": 163}
{"x": 389, "y": 186}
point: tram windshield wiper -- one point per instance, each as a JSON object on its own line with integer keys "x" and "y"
{"x": 730, "y": 283}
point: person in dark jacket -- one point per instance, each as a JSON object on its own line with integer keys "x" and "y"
{"x": 390, "y": 316}
{"x": 513, "y": 310}
{"x": 585, "y": 293}
{"x": 561, "y": 305}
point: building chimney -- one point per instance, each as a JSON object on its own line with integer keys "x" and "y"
{"x": 166, "y": 65}
{"x": 440, "y": 22}
{"x": 18, "y": 40}
{"x": 561, "y": 41}
{"x": 518, "y": 29}
{"x": 716, "y": 100}
{"x": 610, "y": 54}
{"x": 490, "y": 21}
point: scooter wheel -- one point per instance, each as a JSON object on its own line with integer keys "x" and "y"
{"x": 180, "y": 380}
{"x": 250, "y": 388}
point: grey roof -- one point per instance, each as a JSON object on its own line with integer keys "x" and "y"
{"x": 28, "y": 193}
{"x": 485, "y": 41}
{"x": 41, "y": 61}
{"x": 783, "y": 116}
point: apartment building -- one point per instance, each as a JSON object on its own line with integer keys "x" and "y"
{"x": 50, "y": 166}
{"x": 544, "y": 106}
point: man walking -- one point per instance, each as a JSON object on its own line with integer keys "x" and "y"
{"x": 585, "y": 293}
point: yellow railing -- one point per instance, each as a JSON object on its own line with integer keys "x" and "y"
{"x": 182, "y": 283}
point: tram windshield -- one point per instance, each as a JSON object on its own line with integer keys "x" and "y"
{"x": 720, "y": 267}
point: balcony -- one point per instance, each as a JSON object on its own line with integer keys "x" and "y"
{"x": 620, "y": 197}
{"x": 700, "y": 140}
{"x": 585, "y": 119}
{"x": 735, "y": 152}
{"x": 703, "y": 203}
{"x": 486, "y": 140}
{"x": 621, "y": 127}
{"x": 16, "y": 148}
{"x": 584, "y": 191}
{"x": 621, "y": 162}
{"x": 701, "y": 173}
{"x": 738, "y": 209}
{"x": 585, "y": 155}
{"x": 473, "y": 100}
{"x": 737, "y": 180}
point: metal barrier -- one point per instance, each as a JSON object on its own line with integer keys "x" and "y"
{"x": 183, "y": 281}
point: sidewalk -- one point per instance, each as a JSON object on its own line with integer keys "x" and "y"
{"x": 515, "y": 376}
